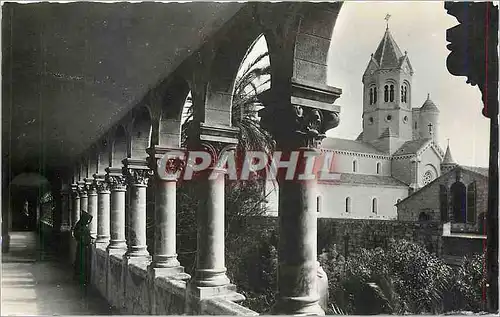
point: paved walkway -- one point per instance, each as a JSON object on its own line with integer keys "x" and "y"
{"x": 35, "y": 282}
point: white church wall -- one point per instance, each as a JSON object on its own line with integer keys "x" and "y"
{"x": 429, "y": 161}
{"x": 364, "y": 165}
{"x": 333, "y": 201}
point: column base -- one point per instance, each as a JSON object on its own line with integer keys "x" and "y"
{"x": 116, "y": 250}
{"x": 211, "y": 278}
{"x": 117, "y": 245}
{"x": 227, "y": 291}
{"x": 102, "y": 239}
{"x": 138, "y": 252}
{"x": 176, "y": 273}
{"x": 165, "y": 261}
{"x": 301, "y": 306}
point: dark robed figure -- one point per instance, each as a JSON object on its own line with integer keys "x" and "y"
{"x": 81, "y": 233}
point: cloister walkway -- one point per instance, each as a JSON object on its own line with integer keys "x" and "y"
{"x": 36, "y": 282}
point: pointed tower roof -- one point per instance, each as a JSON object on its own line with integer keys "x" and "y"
{"x": 388, "y": 54}
{"x": 429, "y": 105}
{"x": 448, "y": 159}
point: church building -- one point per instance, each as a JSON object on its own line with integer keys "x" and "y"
{"x": 396, "y": 154}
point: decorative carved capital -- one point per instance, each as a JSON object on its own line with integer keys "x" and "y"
{"x": 137, "y": 176}
{"x": 116, "y": 182}
{"x": 302, "y": 119}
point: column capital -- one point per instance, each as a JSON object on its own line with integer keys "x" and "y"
{"x": 302, "y": 118}
{"x": 74, "y": 190}
{"x": 214, "y": 139}
{"x": 115, "y": 179}
{"x": 100, "y": 182}
{"x": 91, "y": 186}
{"x": 136, "y": 171}
{"x": 81, "y": 188}
{"x": 169, "y": 167}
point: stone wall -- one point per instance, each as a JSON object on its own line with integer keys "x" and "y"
{"x": 353, "y": 234}
{"x": 133, "y": 289}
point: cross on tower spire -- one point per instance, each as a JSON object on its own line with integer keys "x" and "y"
{"x": 387, "y": 17}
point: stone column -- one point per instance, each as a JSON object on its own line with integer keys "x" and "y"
{"x": 103, "y": 214}
{"x": 165, "y": 180}
{"x": 137, "y": 175}
{"x": 118, "y": 187}
{"x": 75, "y": 210}
{"x": 84, "y": 198}
{"x": 65, "y": 210}
{"x": 92, "y": 206}
{"x": 298, "y": 125}
{"x": 210, "y": 274}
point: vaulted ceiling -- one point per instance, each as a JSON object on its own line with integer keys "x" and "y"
{"x": 69, "y": 71}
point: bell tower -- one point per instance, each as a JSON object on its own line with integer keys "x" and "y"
{"x": 387, "y": 83}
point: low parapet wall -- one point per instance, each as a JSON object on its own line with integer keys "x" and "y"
{"x": 133, "y": 289}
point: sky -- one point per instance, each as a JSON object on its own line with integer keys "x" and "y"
{"x": 419, "y": 28}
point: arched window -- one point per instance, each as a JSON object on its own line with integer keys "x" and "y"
{"x": 374, "y": 205}
{"x": 458, "y": 193}
{"x": 386, "y": 93}
{"x": 378, "y": 167}
{"x": 354, "y": 166}
{"x": 471, "y": 203}
{"x": 443, "y": 202}
{"x": 374, "y": 94}
{"x": 348, "y": 204}
{"x": 318, "y": 204}
{"x": 392, "y": 93}
{"x": 405, "y": 94}
{"x": 402, "y": 94}
{"x": 371, "y": 96}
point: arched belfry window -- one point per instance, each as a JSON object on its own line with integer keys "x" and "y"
{"x": 443, "y": 202}
{"x": 374, "y": 94}
{"x": 354, "y": 166}
{"x": 405, "y": 94}
{"x": 471, "y": 202}
{"x": 391, "y": 93}
{"x": 378, "y": 167}
{"x": 371, "y": 96}
{"x": 374, "y": 205}
{"x": 348, "y": 204}
{"x": 458, "y": 200}
{"x": 402, "y": 93}
{"x": 386, "y": 93}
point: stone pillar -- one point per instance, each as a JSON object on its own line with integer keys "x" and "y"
{"x": 165, "y": 251}
{"x": 75, "y": 210}
{"x": 298, "y": 125}
{"x": 84, "y": 198}
{"x": 65, "y": 211}
{"x": 210, "y": 275}
{"x": 103, "y": 212}
{"x": 117, "y": 209}
{"x": 92, "y": 206}
{"x": 137, "y": 175}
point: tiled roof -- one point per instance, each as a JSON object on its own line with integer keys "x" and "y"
{"x": 480, "y": 170}
{"x": 360, "y": 137}
{"x": 429, "y": 105}
{"x": 411, "y": 147}
{"x": 350, "y": 178}
{"x": 388, "y": 54}
{"x": 448, "y": 159}
{"x": 349, "y": 145}
{"x": 387, "y": 133}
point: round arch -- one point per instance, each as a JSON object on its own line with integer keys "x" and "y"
{"x": 140, "y": 134}
{"x": 119, "y": 146}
